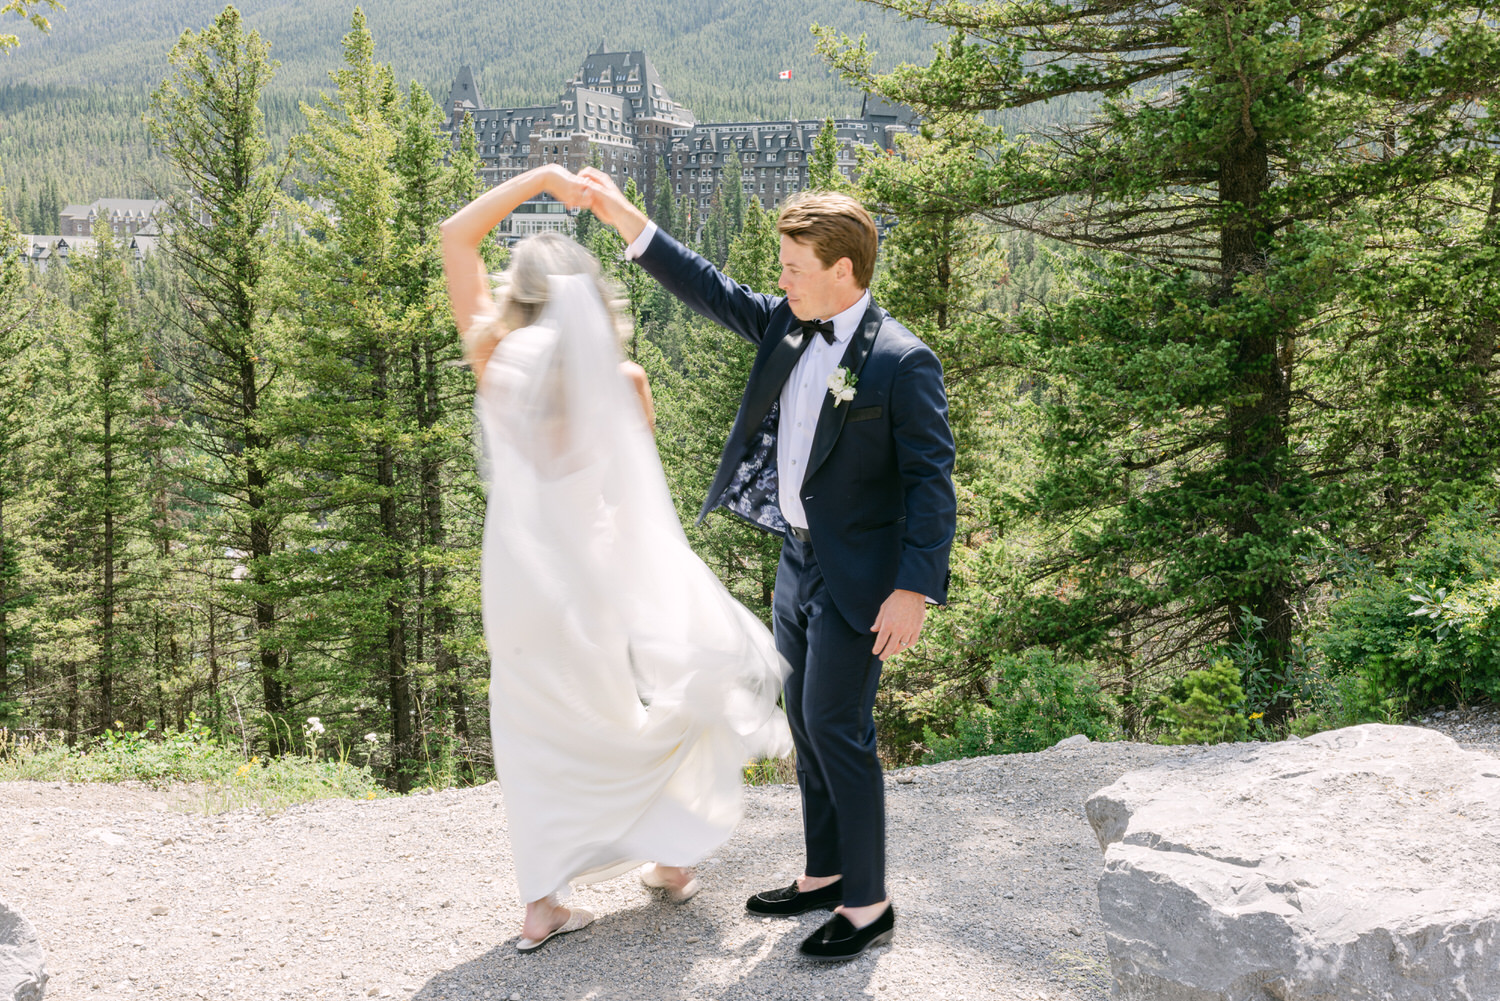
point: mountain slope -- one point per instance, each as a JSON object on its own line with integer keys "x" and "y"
{"x": 720, "y": 57}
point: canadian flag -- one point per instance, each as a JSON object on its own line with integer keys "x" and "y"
{"x": 784, "y": 75}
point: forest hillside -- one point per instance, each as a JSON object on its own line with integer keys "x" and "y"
{"x": 71, "y": 100}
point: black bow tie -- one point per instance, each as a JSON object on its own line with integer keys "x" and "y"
{"x": 824, "y": 327}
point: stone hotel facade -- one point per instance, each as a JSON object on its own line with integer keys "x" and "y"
{"x": 616, "y": 112}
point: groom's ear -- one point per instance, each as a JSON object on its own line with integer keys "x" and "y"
{"x": 843, "y": 268}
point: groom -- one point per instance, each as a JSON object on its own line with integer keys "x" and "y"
{"x": 841, "y": 446}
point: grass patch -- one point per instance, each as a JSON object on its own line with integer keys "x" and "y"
{"x": 772, "y": 771}
{"x": 218, "y": 778}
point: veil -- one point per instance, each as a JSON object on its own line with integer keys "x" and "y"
{"x": 579, "y": 503}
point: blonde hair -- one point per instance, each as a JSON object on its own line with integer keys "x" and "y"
{"x": 521, "y": 291}
{"x": 834, "y": 226}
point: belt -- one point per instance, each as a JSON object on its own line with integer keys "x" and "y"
{"x": 800, "y": 534}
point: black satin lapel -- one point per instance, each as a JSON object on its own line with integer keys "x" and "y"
{"x": 772, "y": 376}
{"x": 831, "y": 418}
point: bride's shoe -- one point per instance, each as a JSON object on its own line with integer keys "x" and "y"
{"x": 577, "y": 918}
{"x": 652, "y": 877}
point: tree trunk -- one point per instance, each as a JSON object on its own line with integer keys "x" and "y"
{"x": 4, "y": 623}
{"x": 70, "y": 677}
{"x": 1256, "y": 445}
{"x": 1485, "y": 337}
{"x": 272, "y": 683}
{"x": 445, "y": 660}
{"x": 402, "y": 750}
{"x": 107, "y": 623}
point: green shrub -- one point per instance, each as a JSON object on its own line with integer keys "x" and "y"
{"x": 1204, "y": 707}
{"x": 1428, "y": 631}
{"x": 221, "y": 778}
{"x": 1037, "y": 700}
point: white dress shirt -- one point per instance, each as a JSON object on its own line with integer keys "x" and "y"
{"x": 639, "y": 244}
{"x": 801, "y": 396}
{"x": 802, "y": 401}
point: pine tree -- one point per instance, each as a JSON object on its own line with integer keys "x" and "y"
{"x": 823, "y": 165}
{"x": 755, "y": 258}
{"x": 424, "y": 197}
{"x": 356, "y": 420}
{"x": 1226, "y": 166}
{"x": 105, "y": 428}
{"x": 938, "y": 265}
{"x": 733, "y": 186}
{"x": 16, "y": 375}
{"x": 206, "y": 119}
{"x": 665, "y": 212}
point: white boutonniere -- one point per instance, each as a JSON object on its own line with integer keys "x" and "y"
{"x": 841, "y": 384}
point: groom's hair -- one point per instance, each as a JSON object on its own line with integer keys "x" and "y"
{"x": 834, "y": 226}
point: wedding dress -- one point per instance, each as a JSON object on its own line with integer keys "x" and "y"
{"x": 628, "y": 687}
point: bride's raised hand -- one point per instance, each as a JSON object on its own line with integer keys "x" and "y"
{"x": 609, "y": 203}
{"x": 566, "y": 186}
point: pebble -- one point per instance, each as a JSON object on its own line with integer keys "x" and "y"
{"x": 1465, "y": 724}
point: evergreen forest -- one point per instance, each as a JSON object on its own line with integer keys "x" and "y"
{"x": 1215, "y": 286}
{"x": 72, "y": 100}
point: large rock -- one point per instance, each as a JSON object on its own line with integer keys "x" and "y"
{"x": 23, "y": 972}
{"x": 1360, "y": 863}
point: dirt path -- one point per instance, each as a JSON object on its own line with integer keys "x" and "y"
{"x": 993, "y": 868}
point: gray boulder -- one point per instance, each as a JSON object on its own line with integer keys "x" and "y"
{"x": 1357, "y": 864}
{"x": 23, "y": 972}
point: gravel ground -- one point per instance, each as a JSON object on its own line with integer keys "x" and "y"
{"x": 993, "y": 868}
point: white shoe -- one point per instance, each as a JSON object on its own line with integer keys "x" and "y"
{"x": 577, "y": 918}
{"x": 652, "y": 877}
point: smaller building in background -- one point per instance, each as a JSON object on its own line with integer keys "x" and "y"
{"x": 41, "y": 250}
{"x": 126, "y": 216}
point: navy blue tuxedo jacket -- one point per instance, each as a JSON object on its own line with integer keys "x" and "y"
{"x": 878, "y": 491}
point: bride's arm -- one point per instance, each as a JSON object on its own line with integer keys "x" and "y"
{"x": 462, "y": 233}
{"x": 642, "y": 386}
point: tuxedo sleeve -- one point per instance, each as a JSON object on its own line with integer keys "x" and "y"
{"x": 924, "y": 458}
{"x": 706, "y": 290}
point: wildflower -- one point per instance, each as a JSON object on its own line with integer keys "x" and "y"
{"x": 314, "y": 725}
{"x": 1256, "y": 715}
{"x": 370, "y": 794}
{"x": 371, "y": 737}
{"x": 242, "y": 770}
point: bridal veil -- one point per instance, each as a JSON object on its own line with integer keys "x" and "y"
{"x": 628, "y": 687}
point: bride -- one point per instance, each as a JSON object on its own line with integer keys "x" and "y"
{"x": 627, "y": 686}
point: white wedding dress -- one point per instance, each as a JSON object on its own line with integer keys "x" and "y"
{"x": 628, "y": 688}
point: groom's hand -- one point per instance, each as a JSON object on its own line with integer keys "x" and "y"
{"x": 609, "y": 203}
{"x": 899, "y": 622}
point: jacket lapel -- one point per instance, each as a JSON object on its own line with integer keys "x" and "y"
{"x": 831, "y": 418}
{"x": 767, "y": 385}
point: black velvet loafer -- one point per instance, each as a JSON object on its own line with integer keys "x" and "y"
{"x": 839, "y": 940}
{"x": 789, "y": 900}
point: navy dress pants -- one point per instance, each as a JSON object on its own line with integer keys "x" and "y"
{"x": 830, "y": 703}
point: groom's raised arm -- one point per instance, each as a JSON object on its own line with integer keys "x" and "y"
{"x": 691, "y": 278}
